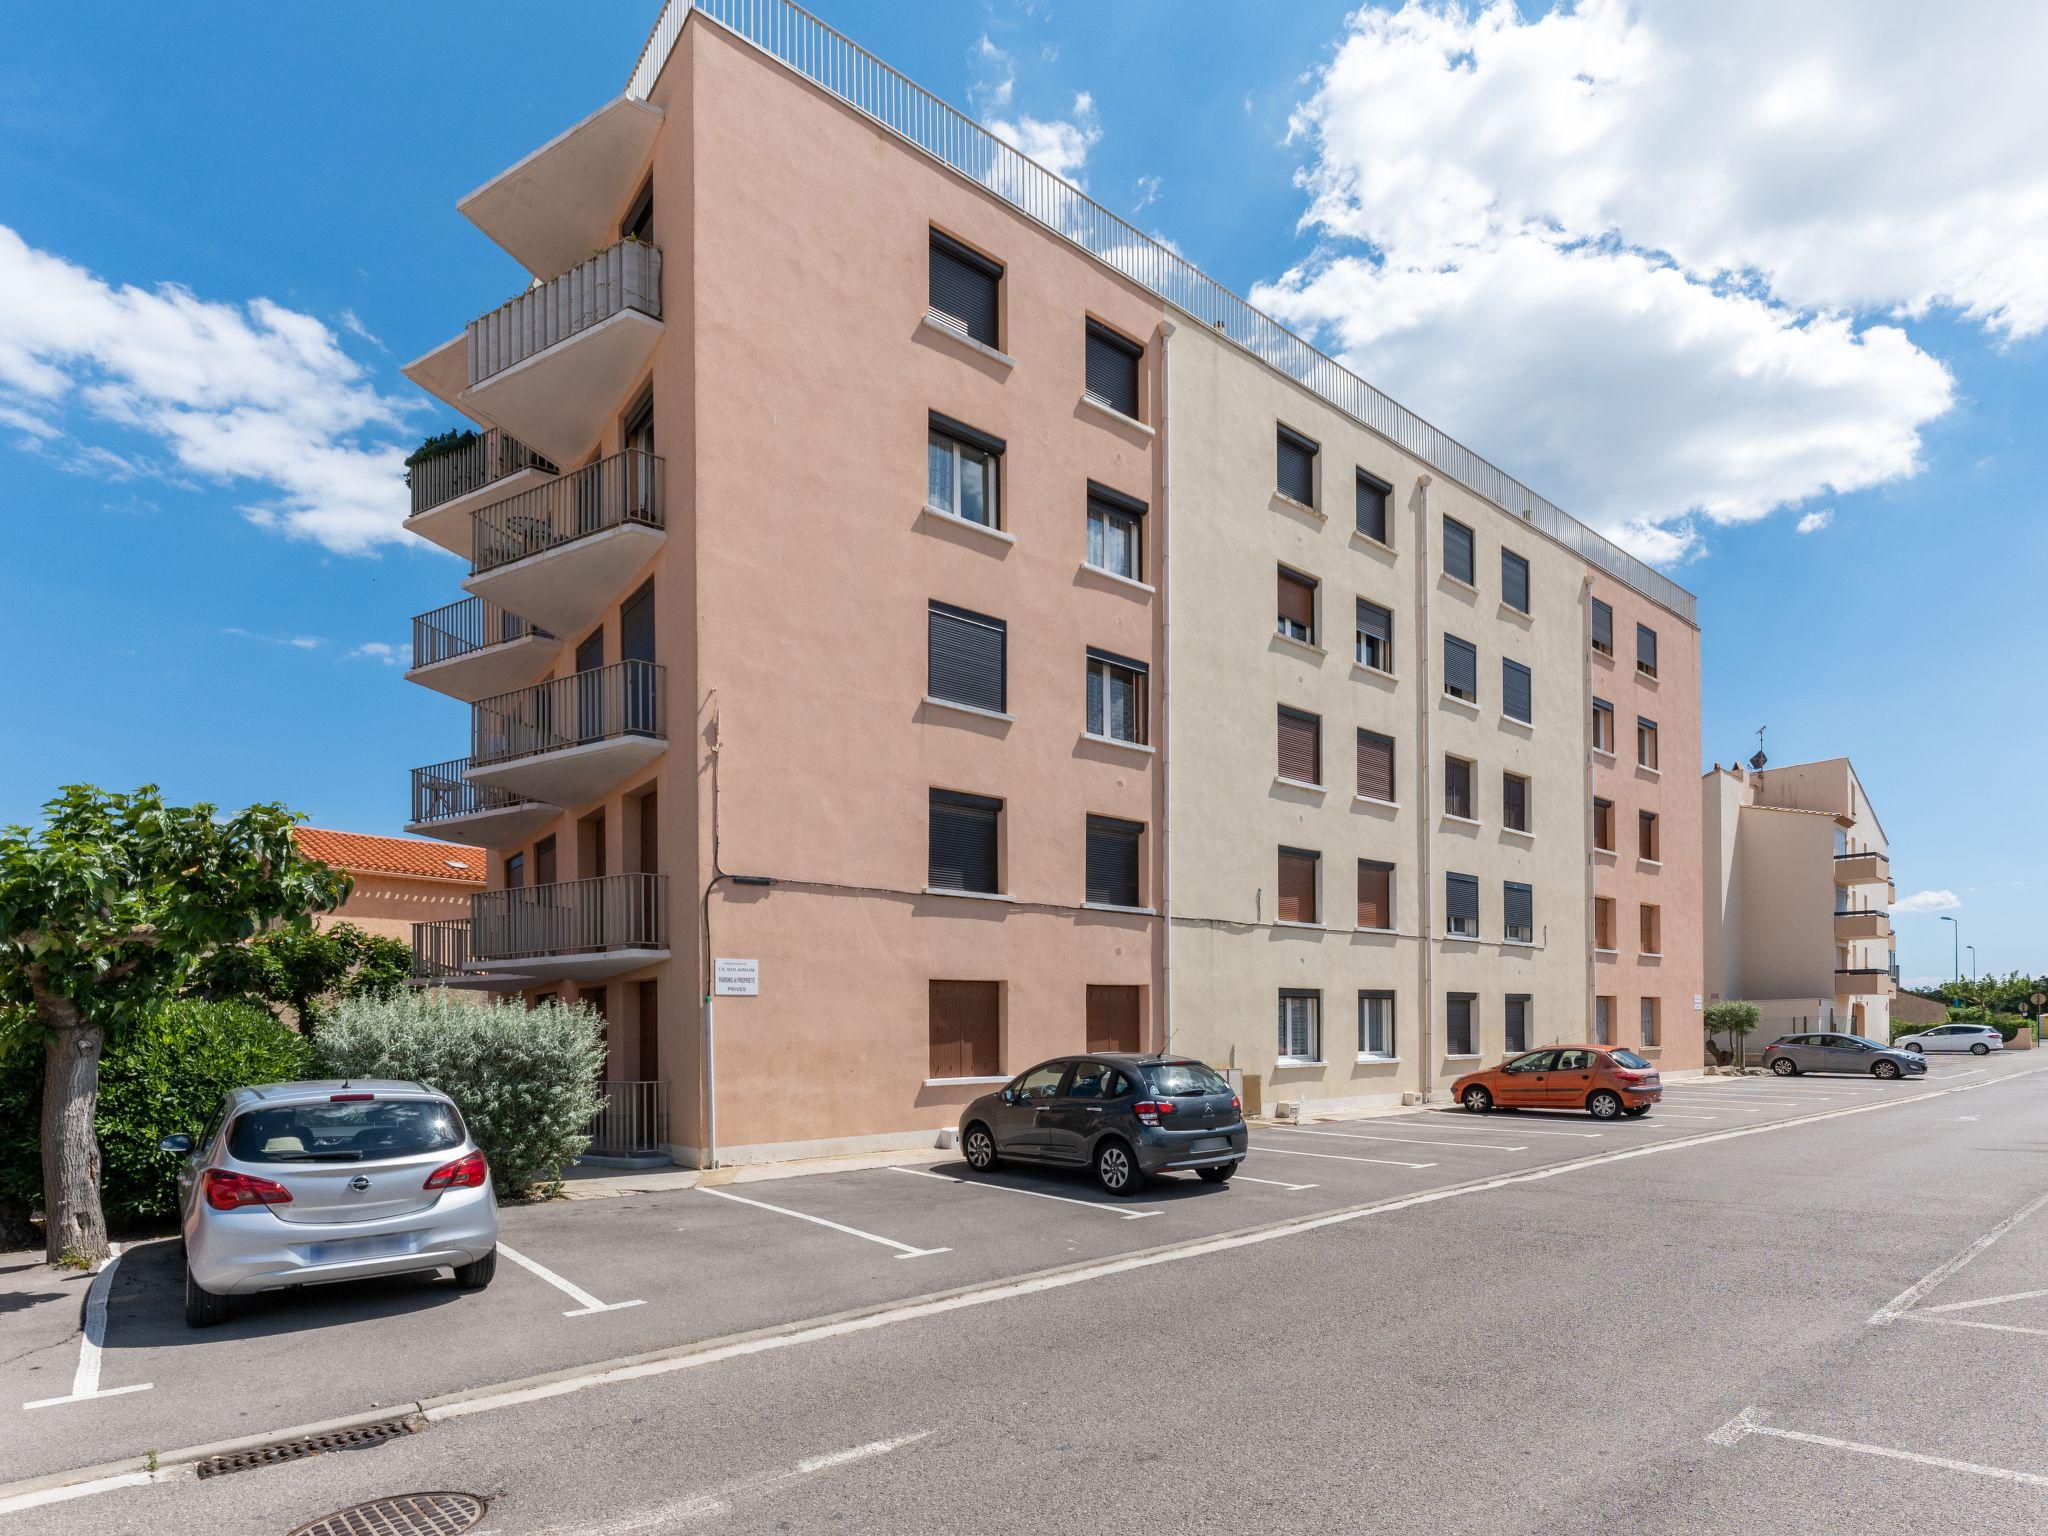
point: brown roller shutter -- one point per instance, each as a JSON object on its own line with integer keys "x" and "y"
{"x": 1298, "y": 601}
{"x": 1112, "y": 1018}
{"x": 1375, "y": 766}
{"x": 964, "y": 1020}
{"x": 1297, "y": 886}
{"x": 1375, "y": 894}
{"x": 1301, "y": 747}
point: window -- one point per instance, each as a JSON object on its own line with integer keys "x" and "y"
{"x": 1376, "y": 1024}
{"x": 1652, "y": 934}
{"x": 1538, "y": 1061}
{"x": 1461, "y": 905}
{"x": 1113, "y": 1025}
{"x": 1112, "y": 370}
{"x": 1517, "y": 912}
{"x": 1603, "y": 628}
{"x": 1372, "y": 507}
{"x": 1603, "y": 922}
{"x": 964, "y": 1019}
{"x": 1297, "y": 607}
{"x": 964, "y": 289}
{"x": 638, "y": 224}
{"x": 1646, "y": 650}
{"x": 1301, "y": 746}
{"x": 1517, "y": 1023}
{"x": 1646, "y": 743}
{"x": 1646, "y": 836}
{"x": 963, "y": 842}
{"x": 1115, "y": 533}
{"x": 1301, "y": 1026}
{"x": 1375, "y": 894}
{"x": 964, "y": 658}
{"x": 1603, "y": 1021}
{"x": 1603, "y": 825}
{"x": 1112, "y": 872}
{"x": 1514, "y": 581}
{"x": 1458, "y": 1024}
{"x": 515, "y": 871}
{"x": 1041, "y": 1083}
{"x": 1514, "y": 802}
{"x": 1375, "y": 636}
{"x": 961, "y": 471}
{"x": 1461, "y": 669}
{"x": 1299, "y": 878}
{"x": 1297, "y": 467}
{"x": 1098, "y": 1079}
{"x": 1116, "y": 697}
{"x": 1458, "y": 787}
{"x": 1376, "y": 766}
{"x": 1652, "y": 1023}
{"x": 544, "y": 861}
{"x": 1516, "y": 690}
{"x": 1458, "y": 551}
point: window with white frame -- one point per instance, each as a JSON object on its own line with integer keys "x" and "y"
{"x": 1116, "y": 534}
{"x": 1376, "y": 1024}
{"x": 962, "y": 471}
{"x": 1116, "y": 697}
{"x": 1375, "y": 637}
{"x": 1301, "y": 1026}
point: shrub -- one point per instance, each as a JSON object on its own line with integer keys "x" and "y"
{"x": 525, "y": 1079}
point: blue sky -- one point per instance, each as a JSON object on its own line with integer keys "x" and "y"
{"x": 200, "y": 588}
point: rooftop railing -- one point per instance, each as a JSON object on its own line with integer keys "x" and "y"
{"x": 625, "y": 488}
{"x": 625, "y": 276}
{"x": 834, "y": 63}
{"x": 493, "y": 456}
{"x": 623, "y": 699}
{"x": 464, "y": 627}
{"x": 441, "y": 793}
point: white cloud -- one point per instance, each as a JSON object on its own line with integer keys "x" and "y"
{"x": 378, "y": 650}
{"x": 1061, "y": 145}
{"x": 1928, "y": 901}
{"x": 1144, "y": 193}
{"x": 250, "y": 395}
{"x": 295, "y": 642}
{"x": 1814, "y": 521}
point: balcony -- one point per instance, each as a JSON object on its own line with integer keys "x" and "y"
{"x": 1862, "y": 868}
{"x": 440, "y": 958}
{"x": 559, "y": 553}
{"x": 1862, "y": 925}
{"x": 562, "y": 201}
{"x": 569, "y": 739}
{"x": 574, "y": 930}
{"x": 450, "y": 486}
{"x": 473, "y": 649}
{"x": 1861, "y": 981}
{"x": 446, "y": 805}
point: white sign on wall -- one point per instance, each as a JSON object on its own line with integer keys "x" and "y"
{"x": 736, "y": 978}
{"x": 1696, "y": 1002}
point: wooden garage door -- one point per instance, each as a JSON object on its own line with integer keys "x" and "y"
{"x": 1112, "y": 1018}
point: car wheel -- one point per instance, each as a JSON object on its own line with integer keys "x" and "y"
{"x": 1637, "y": 1111}
{"x": 1885, "y": 1069}
{"x": 1116, "y": 1168}
{"x": 1478, "y": 1100}
{"x": 1785, "y": 1066}
{"x": 1915, "y": 1046}
{"x": 1980, "y": 1049}
{"x": 1604, "y": 1105}
{"x": 474, "y": 1277}
{"x": 203, "y": 1308}
{"x": 1217, "y": 1175}
{"x": 979, "y": 1148}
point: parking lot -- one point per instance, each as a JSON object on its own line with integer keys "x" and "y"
{"x": 602, "y": 1279}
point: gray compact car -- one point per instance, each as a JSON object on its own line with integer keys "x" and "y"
{"x": 310, "y": 1183}
{"x": 1127, "y": 1116}
{"x": 1789, "y": 1055}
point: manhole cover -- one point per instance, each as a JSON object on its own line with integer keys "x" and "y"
{"x": 404, "y": 1514}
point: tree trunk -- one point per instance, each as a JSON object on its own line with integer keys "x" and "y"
{"x": 74, "y": 1227}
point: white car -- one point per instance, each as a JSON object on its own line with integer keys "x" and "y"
{"x": 1977, "y": 1039}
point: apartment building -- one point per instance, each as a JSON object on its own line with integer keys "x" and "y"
{"x": 1797, "y": 886}
{"x": 399, "y": 881}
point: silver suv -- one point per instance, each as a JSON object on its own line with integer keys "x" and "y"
{"x": 309, "y": 1183}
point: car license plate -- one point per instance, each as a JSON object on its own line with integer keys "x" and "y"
{"x": 382, "y": 1245}
{"x": 1212, "y": 1144}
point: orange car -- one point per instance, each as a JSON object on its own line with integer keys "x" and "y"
{"x": 1603, "y": 1080}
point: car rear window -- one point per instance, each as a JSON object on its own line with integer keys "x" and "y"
{"x": 344, "y": 1133}
{"x": 1182, "y": 1079}
{"x": 1627, "y": 1059}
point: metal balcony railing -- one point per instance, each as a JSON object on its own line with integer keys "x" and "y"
{"x": 493, "y": 456}
{"x": 625, "y": 488}
{"x": 625, "y": 276}
{"x": 440, "y": 949}
{"x": 463, "y": 627}
{"x": 632, "y": 1119}
{"x": 623, "y": 699}
{"x": 570, "y": 917}
{"x": 441, "y": 793}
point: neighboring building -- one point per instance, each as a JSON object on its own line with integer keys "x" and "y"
{"x": 1909, "y": 1009}
{"x": 1797, "y": 886}
{"x": 399, "y": 881}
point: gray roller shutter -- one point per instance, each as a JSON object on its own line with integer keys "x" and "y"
{"x": 1112, "y": 371}
{"x": 966, "y": 654}
{"x": 964, "y": 287}
{"x": 1113, "y": 861}
{"x": 1514, "y": 802}
{"x": 1518, "y": 1024}
{"x": 1518, "y": 905}
{"x": 1458, "y": 1023}
{"x": 1458, "y": 551}
{"x": 963, "y": 842}
{"x": 1646, "y": 649}
{"x": 1603, "y": 627}
{"x": 1515, "y": 691}
{"x": 1377, "y": 622}
{"x": 1461, "y": 897}
{"x": 1372, "y": 507}
{"x": 1297, "y": 467}
{"x": 1461, "y": 667}
{"x": 1514, "y": 581}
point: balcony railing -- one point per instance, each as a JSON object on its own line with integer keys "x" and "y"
{"x": 1865, "y": 868}
{"x": 465, "y": 627}
{"x": 493, "y": 456}
{"x": 625, "y": 488}
{"x": 441, "y": 793}
{"x": 570, "y": 917}
{"x": 1860, "y": 980}
{"x": 632, "y": 1120}
{"x": 440, "y": 949}
{"x": 623, "y": 699}
{"x": 627, "y": 276}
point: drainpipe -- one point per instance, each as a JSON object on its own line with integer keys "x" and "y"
{"x": 1425, "y": 781}
{"x": 1166, "y": 330}
{"x": 1586, "y": 795}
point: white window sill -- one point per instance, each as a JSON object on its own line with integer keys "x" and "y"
{"x": 1460, "y": 938}
{"x": 960, "y": 338}
{"x": 1526, "y": 727}
{"x": 1644, "y": 677}
{"x": 942, "y": 890}
{"x": 953, "y": 520}
{"x": 1110, "y": 413}
{"x": 1509, "y": 611}
{"x": 1295, "y": 1061}
{"x": 1457, "y": 585}
{"x": 1391, "y": 933}
{"x": 933, "y": 702}
{"x": 1461, "y": 1055}
{"x": 1110, "y": 906}
{"x": 1517, "y": 943}
{"x": 1281, "y": 781}
{"x": 1374, "y": 1059}
{"x": 1464, "y": 821}
{"x": 1603, "y": 752}
{"x": 1306, "y": 647}
{"x": 1646, "y": 768}
{"x": 1379, "y": 672}
{"x": 1603, "y": 652}
{"x": 1113, "y": 741}
{"x": 1599, "y": 951}
{"x": 1283, "y": 922}
{"x": 1470, "y": 706}
{"x": 1384, "y": 805}
{"x": 1285, "y": 503}
{"x": 1367, "y": 541}
{"x": 1649, "y": 954}
{"x": 962, "y": 1082}
{"x": 1604, "y": 853}
{"x": 1649, "y": 863}
{"x": 1103, "y": 574}
{"x": 1525, "y": 836}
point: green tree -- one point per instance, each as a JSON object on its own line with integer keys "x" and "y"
{"x": 305, "y": 969}
{"x": 104, "y": 912}
{"x": 1737, "y": 1019}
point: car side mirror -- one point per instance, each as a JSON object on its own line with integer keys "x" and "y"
{"x": 177, "y": 1142}
{"x": 1009, "y": 1095}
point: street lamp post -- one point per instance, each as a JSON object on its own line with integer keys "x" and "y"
{"x": 1973, "y": 960}
{"x": 1956, "y": 929}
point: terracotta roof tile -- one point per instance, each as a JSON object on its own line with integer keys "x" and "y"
{"x": 413, "y": 857}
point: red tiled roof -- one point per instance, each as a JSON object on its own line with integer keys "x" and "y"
{"x": 413, "y": 857}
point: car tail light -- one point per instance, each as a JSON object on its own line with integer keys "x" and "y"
{"x": 351, "y": 1098}
{"x": 464, "y": 1173}
{"x": 1236, "y": 1102}
{"x": 1152, "y": 1111}
{"x": 227, "y": 1191}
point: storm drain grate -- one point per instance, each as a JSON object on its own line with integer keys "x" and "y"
{"x": 405, "y": 1514}
{"x": 360, "y": 1438}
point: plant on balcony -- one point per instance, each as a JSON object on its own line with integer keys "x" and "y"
{"x": 306, "y": 970}
{"x": 440, "y": 445}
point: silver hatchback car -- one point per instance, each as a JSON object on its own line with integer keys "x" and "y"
{"x": 309, "y": 1183}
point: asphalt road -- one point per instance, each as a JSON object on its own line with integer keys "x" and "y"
{"x": 1536, "y": 1329}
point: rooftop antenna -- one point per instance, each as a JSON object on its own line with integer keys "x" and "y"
{"x": 1759, "y": 760}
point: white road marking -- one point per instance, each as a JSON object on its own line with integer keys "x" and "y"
{"x": 1983, "y": 1301}
{"x": 1479, "y": 1146}
{"x": 1907, "y": 1298}
{"x": 1746, "y": 1423}
{"x": 1336, "y": 1157}
{"x": 85, "y": 1381}
{"x": 1517, "y": 1130}
{"x": 1093, "y": 1205}
{"x": 16, "y": 1503}
{"x": 1245, "y": 1178}
{"x": 1665, "y": 1114}
{"x": 586, "y": 1304}
{"x": 903, "y": 1250}
{"x": 1918, "y": 1316}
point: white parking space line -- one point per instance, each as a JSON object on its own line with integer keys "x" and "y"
{"x": 1036, "y": 1194}
{"x": 587, "y": 1305}
{"x": 1337, "y": 1157}
{"x": 1666, "y": 1114}
{"x": 1514, "y": 1130}
{"x": 1983, "y": 1301}
{"x": 1245, "y": 1178}
{"x": 1745, "y": 1424}
{"x": 1413, "y": 1141}
{"x": 1910, "y": 1296}
{"x": 1969, "y": 1322}
{"x": 903, "y": 1250}
{"x": 85, "y": 1381}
